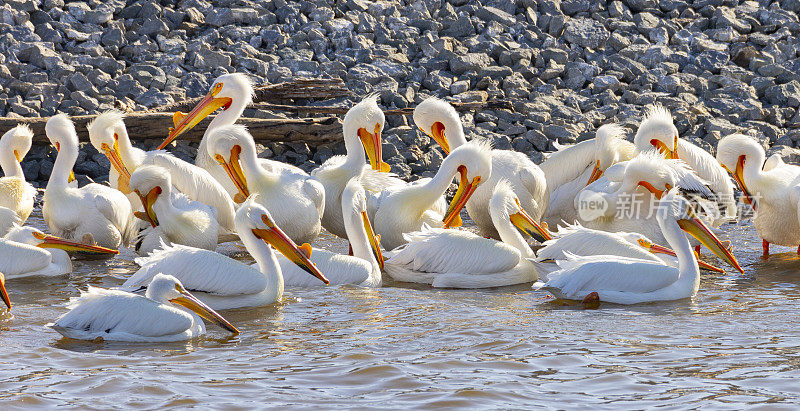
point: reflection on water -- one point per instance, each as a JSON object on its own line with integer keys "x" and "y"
{"x": 733, "y": 345}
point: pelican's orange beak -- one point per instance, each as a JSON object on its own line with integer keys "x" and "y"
{"x": 465, "y": 190}
{"x": 596, "y": 173}
{"x": 186, "y": 299}
{"x": 738, "y": 176}
{"x": 115, "y": 158}
{"x": 374, "y": 148}
{"x": 281, "y": 242}
{"x": 374, "y": 239}
{"x": 702, "y": 233}
{"x": 656, "y": 192}
{"x": 525, "y": 223}
{"x": 209, "y": 104}
{"x": 235, "y": 173}
{"x": 657, "y": 249}
{"x": 437, "y": 133}
{"x": 51, "y": 241}
{"x": 147, "y": 201}
{"x": 3, "y": 292}
{"x": 670, "y": 153}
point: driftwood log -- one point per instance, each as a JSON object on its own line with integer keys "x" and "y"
{"x": 477, "y": 105}
{"x": 143, "y": 126}
{"x": 279, "y": 92}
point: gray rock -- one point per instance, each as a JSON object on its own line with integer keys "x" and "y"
{"x": 586, "y": 33}
{"x": 469, "y": 62}
{"x": 488, "y": 13}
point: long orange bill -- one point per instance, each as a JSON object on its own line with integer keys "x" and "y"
{"x": 191, "y": 302}
{"x": 51, "y": 241}
{"x": 738, "y": 177}
{"x": 437, "y": 132}
{"x": 702, "y": 233}
{"x": 374, "y": 239}
{"x": 148, "y": 200}
{"x": 203, "y": 109}
{"x": 235, "y": 173}
{"x": 525, "y": 223}
{"x": 3, "y": 292}
{"x": 597, "y": 172}
{"x": 374, "y": 148}
{"x": 657, "y": 249}
{"x": 275, "y": 237}
{"x": 465, "y": 190}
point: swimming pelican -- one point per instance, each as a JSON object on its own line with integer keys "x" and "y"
{"x": 439, "y": 119}
{"x": 16, "y": 194}
{"x": 582, "y": 241}
{"x": 362, "y": 130}
{"x": 115, "y": 315}
{"x": 461, "y": 259}
{"x": 571, "y": 169}
{"x": 27, "y": 252}
{"x": 624, "y": 280}
{"x": 770, "y": 191}
{"x": 173, "y": 217}
{"x": 401, "y": 210}
{"x": 3, "y": 292}
{"x": 363, "y": 267}
{"x": 628, "y": 206}
{"x": 232, "y": 93}
{"x": 93, "y": 213}
{"x": 657, "y": 131}
{"x": 109, "y": 136}
{"x": 296, "y": 201}
{"x": 222, "y": 282}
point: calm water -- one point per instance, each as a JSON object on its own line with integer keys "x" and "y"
{"x": 736, "y": 344}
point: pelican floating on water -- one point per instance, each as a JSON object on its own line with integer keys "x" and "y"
{"x": 461, "y": 259}
{"x": 109, "y": 135}
{"x": 93, "y": 213}
{"x": 362, "y": 131}
{"x": 401, "y": 210}
{"x": 657, "y": 131}
{"x": 222, "y": 282}
{"x": 231, "y": 93}
{"x": 626, "y": 280}
{"x": 571, "y": 169}
{"x": 439, "y": 119}
{"x": 16, "y": 194}
{"x": 296, "y": 201}
{"x": 773, "y": 192}
{"x": 363, "y": 267}
{"x": 27, "y": 252}
{"x": 173, "y": 217}
{"x": 115, "y": 315}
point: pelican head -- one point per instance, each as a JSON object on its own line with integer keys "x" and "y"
{"x": 606, "y": 150}
{"x": 657, "y": 131}
{"x": 104, "y": 133}
{"x": 255, "y": 217}
{"x": 16, "y": 142}
{"x": 438, "y": 119}
{"x": 473, "y": 162}
{"x": 225, "y": 145}
{"x": 736, "y": 151}
{"x": 674, "y": 207}
{"x": 148, "y": 182}
{"x": 226, "y": 89}
{"x": 658, "y": 175}
{"x": 62, "y": 135}
{"x": 504, "y": 205}
{"x": 366, "y": 120}
{"x": 354, "y": 195}
{"x": 3, "y": 292}
{"x": 32, "y": 236}
{"x": 166, "y": 288}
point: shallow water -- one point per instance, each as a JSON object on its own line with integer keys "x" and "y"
{"x": 734, "y": 345}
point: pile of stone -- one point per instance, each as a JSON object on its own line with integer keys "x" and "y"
{"x": 568, "y": 66}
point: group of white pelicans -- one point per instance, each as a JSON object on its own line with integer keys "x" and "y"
{"x": 174, "y": 214}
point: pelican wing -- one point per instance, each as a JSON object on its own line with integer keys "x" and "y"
{"x": 377, "y": 181}
{"x": 579, "y": 276}
{"x": 99, "y": 310}
{"x": 198, "y": 270}
{"x": 706, "y": 167}
{"x": 18, "y": 258}
{"x": 567, "y": 164}
{"x": 437, "y": 250}
{"x": 8, "y": 219}
{"x": 113, "y": 205}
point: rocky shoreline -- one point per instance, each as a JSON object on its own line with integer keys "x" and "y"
{"x": 569, "y": 66}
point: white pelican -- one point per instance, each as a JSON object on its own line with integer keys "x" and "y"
{"x": 27, "y": 252}
{"x": 173, "y": 217}
{"x": 16, "y": 194}
{"x": 115, "y": 315}
{"x": 362, "y": 131}
{"x": 3, "y": 292}
{"x": 657, "y": 131}
{"x": 222, "y": 282}
{"x": 770, "y": 191}
{"x": 401, "y": 210}
{"x": 629, "y": 205}
{"x": 363, "y": 267}
{"x": 109, "y": 136}
{"x": 461, "y": 259}
{"x": 626, "y": 280}
{"x": 581, "y": 241}
{"x": 296, "y": 201}
{"x": 439, "y": 119}
{"x": 232, "y": 93}
{"x": 571, "y": 169}
{"x": 92, "y": 213}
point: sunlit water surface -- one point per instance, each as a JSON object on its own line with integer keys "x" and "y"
{"x": 734, "y": 345}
